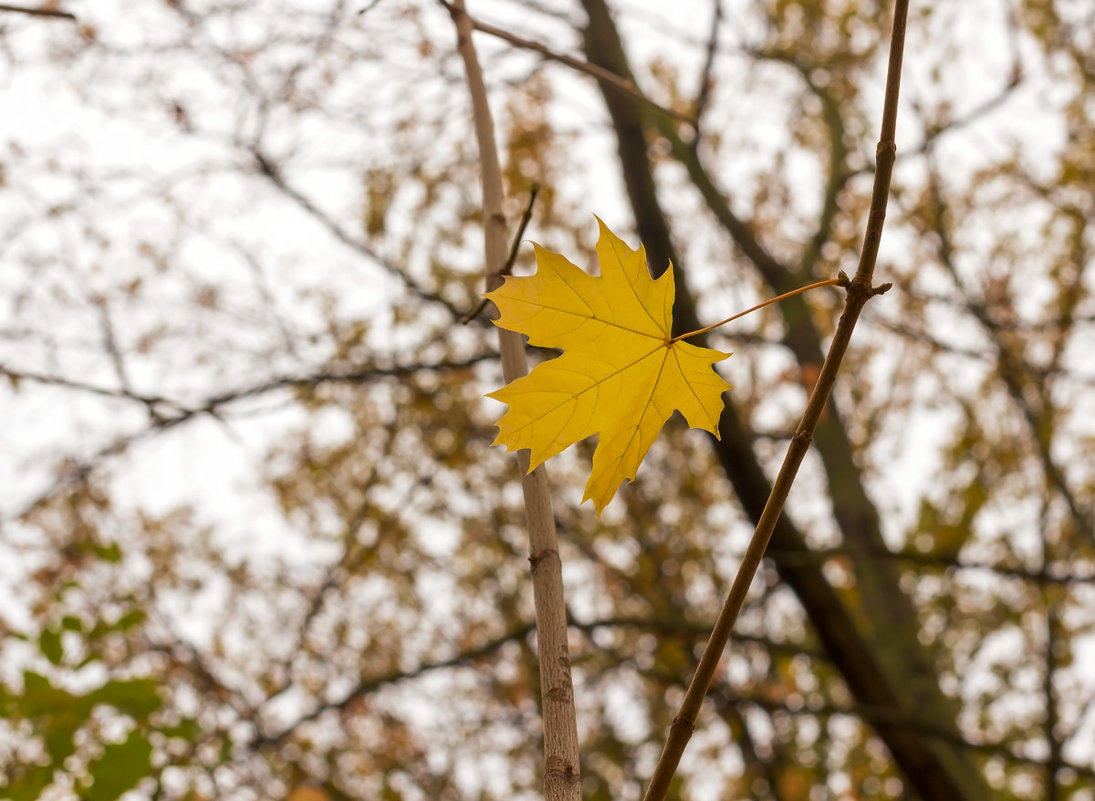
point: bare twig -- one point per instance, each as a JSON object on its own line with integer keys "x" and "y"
{"x": 216, "y": 402}
{"x": 601, "y": 74}
{"x": 38, "y": 12}
{"x": 562, "y": 777}
{"x": 837, "y": 170}
{"x": 706, "y": 81}
{"x": 883, "y": 716}
{"x": 508, "y": 267}
{"x": 167, "y": 413}
{"x": 859, "y": 291}
{"x": 1012, "y": 369}
{"x": 269, "y": 170}
{"x": 372, "y": 684}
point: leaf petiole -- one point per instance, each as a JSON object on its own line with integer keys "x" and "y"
{"x": 784, "y": 296}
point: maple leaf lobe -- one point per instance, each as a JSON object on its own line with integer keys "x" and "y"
{"x": 620, "y": 374}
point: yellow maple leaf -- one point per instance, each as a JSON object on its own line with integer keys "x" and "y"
{"x": 621, "y": 374}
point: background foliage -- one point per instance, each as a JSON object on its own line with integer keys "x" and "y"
{"x": 255, "y": 543}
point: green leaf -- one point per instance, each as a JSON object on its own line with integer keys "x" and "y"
{"x": 59, "y": 737}
{"x": 134, "y": 617}
{"x": 29, "y": 785}
{"x": 119, "y": 768}
{"x": 108, "y": 553}
{"x": 40, "y": 697}
{"x": 186, "y": 729}
{"x": 136, "y": 697}
{"x": 93, "y": 655}
{"x": 49, "y": 643}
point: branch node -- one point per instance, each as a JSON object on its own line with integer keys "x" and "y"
{"x": 508, "y": 267}
{"x": 559, "y": 695}
{"x": 535, "y": 559}
{"x": 557, "y": 768}
{"x": 683, "y": 722}
{"x": 889, "y": 147}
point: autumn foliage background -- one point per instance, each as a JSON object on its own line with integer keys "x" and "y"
{"x": 255, "y": 542}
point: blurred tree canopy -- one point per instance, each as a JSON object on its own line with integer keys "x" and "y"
{"x": 255, "y": 542}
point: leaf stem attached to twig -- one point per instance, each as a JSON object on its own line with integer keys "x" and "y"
{"x": 769, "y": 302}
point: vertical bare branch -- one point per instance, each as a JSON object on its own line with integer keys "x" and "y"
{"x": 1051, "y": 791}
{"x": 706, "y": 79}
{"x": 1014, "y": 372}
{"x": 860, "y": 290}
{"x": 562, "y": 779}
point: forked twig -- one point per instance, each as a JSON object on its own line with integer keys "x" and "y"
{"x": 577, "y": 64}
{"x": 859, "y": 291}
{"x": 514, "y": 247}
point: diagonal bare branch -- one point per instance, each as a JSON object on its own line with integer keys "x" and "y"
{"x": 270, "y": 171}
{"x": 859, "y": 290}
{"x": 580, "y": 65}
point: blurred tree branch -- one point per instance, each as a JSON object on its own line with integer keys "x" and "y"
{"x": 38, "y": 11}
{"x": 269, "y": 170}
{"x": 167, "y": 414}
{"x": 1015, "y": 372}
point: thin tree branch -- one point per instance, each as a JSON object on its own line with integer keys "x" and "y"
{"x": 837, "y": 171}
{"x": 881, "y": 716}
{"x": 373, "y": 684}
{"x": 1051, "y": 664}
{"x": 705, "y": 74}
{"x": 775, "y": 272}
{"x": 1012, "y": 368}
{"x": 270, "y": 171}
{"x": 562, "y": 771}
{"x": 473, "y": 654}
{"x": 1059, "y": 572}
{"x": 110, "y": 343}
{"x": 706, "y": 81}
{"x": 38, "y": 12}
{"x": 514, "y": 247}
{"x": 860, "y": 290}
{"x": 340, "y": 377}
{"x": 216, "y": 402}
{"x": 17, "y": 376}
{"x": 319, "y": 594}
{"x": 601, "y": 74}
{"x": 211, "y": 406}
